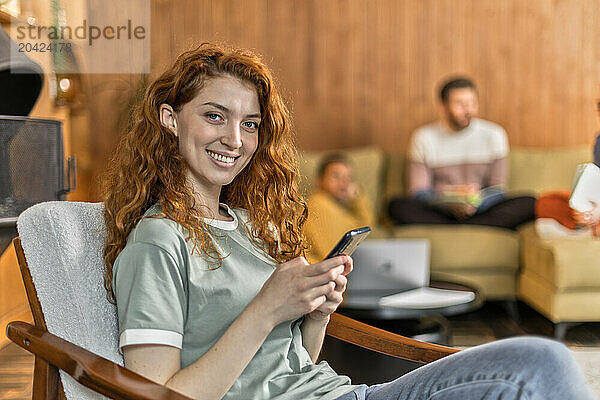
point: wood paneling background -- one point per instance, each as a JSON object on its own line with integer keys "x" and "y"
{"x": 358, "y": 72}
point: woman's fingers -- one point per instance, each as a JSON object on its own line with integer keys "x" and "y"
{"x": 317, "y": 296}
{"x": 328, "y": 276}
{"x": 326, "y": 297}
{"x": 332, "y": 290}
{"x": 584, "y": 218}
{"x": 340, "y": 283}
{"x": 333, "y": 301}
{"x": 311, "y": 287}
{"x": 578, "y": 217}
{"x": 335, "y": 274}
{"x": 325, "y": 265}
{"x": 335, "y": 297}
{"x": 348, "y": 265}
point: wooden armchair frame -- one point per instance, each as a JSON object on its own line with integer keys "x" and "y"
{"x": 53, "y": 353}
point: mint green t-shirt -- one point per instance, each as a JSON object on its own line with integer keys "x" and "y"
{"x": 166, "y": 295}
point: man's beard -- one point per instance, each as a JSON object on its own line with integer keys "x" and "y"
{"x": 459, "y": 125}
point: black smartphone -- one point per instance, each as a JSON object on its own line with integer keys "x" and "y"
{"x": 349, "y": 242}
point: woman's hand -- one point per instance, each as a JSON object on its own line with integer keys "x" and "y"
{"x": 297, "y": 288}
{"x": 589, "y": 218}
{"x": 334, "y": 299}
{"x": 314, "y": 325}
{"x": 352, "y": 192}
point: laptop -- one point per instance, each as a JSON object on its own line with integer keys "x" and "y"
{"x": 395, "y": 273}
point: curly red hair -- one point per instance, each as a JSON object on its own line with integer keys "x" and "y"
{"x": 147, "y": 166}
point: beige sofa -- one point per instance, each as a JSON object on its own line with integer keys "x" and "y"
{"x": 559, "y": 278}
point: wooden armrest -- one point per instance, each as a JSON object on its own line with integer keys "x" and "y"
{"x": 369, "y": 337}
{"x": 114, "y": 381}
{"x": 87, "y": 368}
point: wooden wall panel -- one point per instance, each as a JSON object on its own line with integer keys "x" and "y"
{"x": 364, "y": 72}
{"x": 358, "y": 72}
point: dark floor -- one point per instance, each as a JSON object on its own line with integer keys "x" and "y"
{"x": 489, "y": 323}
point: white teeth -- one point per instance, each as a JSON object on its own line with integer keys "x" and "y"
{"x": 221, "y": 158}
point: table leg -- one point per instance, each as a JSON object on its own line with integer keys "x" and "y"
{"x": 560, "y": 329}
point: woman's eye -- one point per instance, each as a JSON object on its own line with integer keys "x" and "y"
{"x": 251, "y": 124}
{"x": 213, "y": 117}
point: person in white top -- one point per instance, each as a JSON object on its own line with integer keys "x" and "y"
{"x": 458, "y": 168}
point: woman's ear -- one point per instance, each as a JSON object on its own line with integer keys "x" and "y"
{"x": 168, "y": 118}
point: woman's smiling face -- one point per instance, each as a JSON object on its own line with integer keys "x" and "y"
{"x": 217, "y": 130}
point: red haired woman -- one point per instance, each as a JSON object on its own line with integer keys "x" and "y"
{"x": 204, "y": 254}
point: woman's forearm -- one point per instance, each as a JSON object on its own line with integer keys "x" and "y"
{"x": 213, "y": 374}
{"x": 313, "y": 333}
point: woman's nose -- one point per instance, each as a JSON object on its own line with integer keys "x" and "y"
{"x": 232, "y": 137}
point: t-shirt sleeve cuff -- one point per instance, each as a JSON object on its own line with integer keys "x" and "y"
{"x": 149, "y": 336}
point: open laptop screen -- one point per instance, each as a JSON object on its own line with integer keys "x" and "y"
{"x": 389, "y": 265}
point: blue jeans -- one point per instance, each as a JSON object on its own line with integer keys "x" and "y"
{"x": 525, "y": 368}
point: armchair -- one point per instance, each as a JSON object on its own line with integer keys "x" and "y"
{"x": 74, "y": 339}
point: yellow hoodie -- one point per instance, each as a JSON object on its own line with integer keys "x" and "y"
{"x": 328, "y": 220}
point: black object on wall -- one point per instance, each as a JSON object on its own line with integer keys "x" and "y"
{"x": 31, "y": 149}
{"x": 20, "y": 79}
{"x": 32, "y": 168}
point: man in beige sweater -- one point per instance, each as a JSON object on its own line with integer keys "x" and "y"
{"x": 458, "y": 168}
{"x": 335, "y": 207}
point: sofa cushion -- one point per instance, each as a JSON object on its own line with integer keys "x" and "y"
{"x": 565, "y": 264}
{"x": 368, "y": 163}
{"x": 570, "y": 306}
{"x": 540, "y": 170}
{"x": 467, "y": 247}
{"x": 395, "y": 177}
{"x": 493, "y": 284}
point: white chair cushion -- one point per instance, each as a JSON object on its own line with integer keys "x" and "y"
{"x": 63, "y": 243}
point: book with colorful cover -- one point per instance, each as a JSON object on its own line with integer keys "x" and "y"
{"x": 474, "y": 198}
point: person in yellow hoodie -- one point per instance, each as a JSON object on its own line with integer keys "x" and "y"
{"x": 335, "y": 207}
